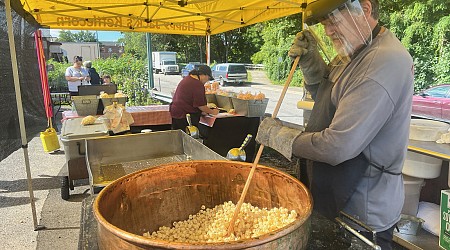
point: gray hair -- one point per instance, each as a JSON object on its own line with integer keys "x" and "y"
{"x": 375, "y": 8}
{"x": 87, "y": 64}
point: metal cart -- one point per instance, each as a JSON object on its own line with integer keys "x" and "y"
{"x": 110, "y": 158}
{"x": 73, "y": 137}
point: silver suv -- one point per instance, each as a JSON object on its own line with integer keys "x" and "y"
{"x": 226, "y": 73}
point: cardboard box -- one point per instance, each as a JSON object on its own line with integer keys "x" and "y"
{"x": 444, "y": 237}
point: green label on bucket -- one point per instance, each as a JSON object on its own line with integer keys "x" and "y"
{"x": 444, "y": 237}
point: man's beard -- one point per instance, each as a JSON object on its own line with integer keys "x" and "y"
{"x": 343, "y": 48}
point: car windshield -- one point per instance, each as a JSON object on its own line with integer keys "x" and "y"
{"x": 237, "y": 69}
{"x": 438, "y": 91}
{"x": 169, "y": 63}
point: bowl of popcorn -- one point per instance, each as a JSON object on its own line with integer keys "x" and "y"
{"x": 189, "y": 205}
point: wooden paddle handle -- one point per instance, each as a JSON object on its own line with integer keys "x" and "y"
{"x": 261, "y": 147}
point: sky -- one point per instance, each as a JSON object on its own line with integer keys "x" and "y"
{"x": 103, "y": 36}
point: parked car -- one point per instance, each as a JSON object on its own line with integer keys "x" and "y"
{"x": 226, "y": 73}
{"x": 190, "y": 66}
{"x": 433, "y": 103}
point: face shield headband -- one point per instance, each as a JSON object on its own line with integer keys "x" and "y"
{"x": 343, "y": 31}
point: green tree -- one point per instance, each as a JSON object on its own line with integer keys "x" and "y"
{"x": 85, "y": 36}
{"x": 130, "y": 75}
{"x": 424, "y": 29}
{"x": 422, "y": 26}
{"x": 128, "y": 72}
{"x": 56, "y": 77}
{"x": 65, "y": 36}
{"x": 134, "y": 44}
{"x": 81, "y": 36}
{"x": 191, "y": 49}
{"x": 187, "y": 47}
{"x": 278, "y": 35}
{"x": 237, "y": 45}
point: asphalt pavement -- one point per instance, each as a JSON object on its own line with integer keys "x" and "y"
{"x": 60, "y": 219}
{"x": 259, "y": 83}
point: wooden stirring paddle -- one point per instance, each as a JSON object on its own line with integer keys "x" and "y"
{"x": 261, "y": 147}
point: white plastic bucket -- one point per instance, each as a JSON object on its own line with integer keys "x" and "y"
{"x": 413, "y": 186}
{"x": 422, "y": 166}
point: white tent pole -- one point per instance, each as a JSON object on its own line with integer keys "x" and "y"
{"x": 208, "y": 49}
{"x": 23, "y": 134}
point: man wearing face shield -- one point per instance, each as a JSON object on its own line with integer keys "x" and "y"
{"x": 356, "y": 139}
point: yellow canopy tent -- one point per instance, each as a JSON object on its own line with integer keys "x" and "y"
{"x": 188, "y": 17}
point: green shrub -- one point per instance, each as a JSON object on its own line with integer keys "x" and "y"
{"x": 128, "y": 72}
{"x": 56, "y": 76}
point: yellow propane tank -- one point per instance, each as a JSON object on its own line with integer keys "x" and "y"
{"x": 49, "y": 140}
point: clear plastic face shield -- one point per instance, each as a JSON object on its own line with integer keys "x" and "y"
{"x": 342, "y": 32}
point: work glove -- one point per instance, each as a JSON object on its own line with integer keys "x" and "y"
{"x": 274, "y": 134}
{"x": 311, "y": 63}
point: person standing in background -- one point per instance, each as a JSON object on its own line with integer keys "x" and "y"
{"x": 76, "y": 75}
{"x": 95, "y": 77}
{"x": 189, "y": 98}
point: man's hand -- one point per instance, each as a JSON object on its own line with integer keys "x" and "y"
{"x": 311, "y": 63}
{"x": 272, "y": 133}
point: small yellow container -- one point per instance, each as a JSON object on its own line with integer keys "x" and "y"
{"x": 50, "y": 140}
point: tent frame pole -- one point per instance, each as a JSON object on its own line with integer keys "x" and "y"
{"x": 208, "y": 42}
{"x": 208, "y": 49}
{"x": 23, "y": 134}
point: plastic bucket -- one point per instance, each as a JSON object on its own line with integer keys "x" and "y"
{"x": 422, "y": 166}
{"x": 49, "y": 140}
{"x": 413, "y": 186}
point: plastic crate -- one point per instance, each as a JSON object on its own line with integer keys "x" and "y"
{"x": 250, "y": 108}
{"x": 85, "y": 105}
{"x": 109, "y": 101}
{"x": 211, "y": 98}
{"x": 224, "y": 102}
